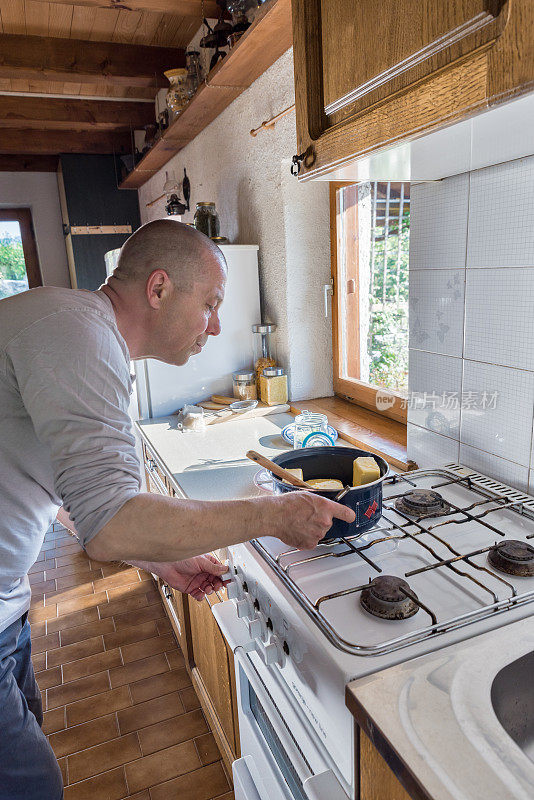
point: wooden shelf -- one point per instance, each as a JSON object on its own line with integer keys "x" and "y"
{"x": 261, "y": 45}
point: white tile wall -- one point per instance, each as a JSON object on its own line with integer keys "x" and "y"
{"x": 435, "y": 392}
{"x": 438, "y": 231}
{"x": 502, "y": 427}
{"x": 501, "y": 200}
{"x": 481, "y": 227}
{"x": 499, "y": 316}
{"x": 437, "y": 310}
{"x": 429, "y": 449}
{"x": 502, "y": 470}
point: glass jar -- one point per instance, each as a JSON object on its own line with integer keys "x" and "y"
{"x": 264, "y": 349}
{"x": 244, "y": 385}
{"x": 206, "y": 219}
{"x": 311, "y": 430}
{"x": 194, "y": 72}
{"x": 273, "y": 386}
{"x": 177, "y": 97}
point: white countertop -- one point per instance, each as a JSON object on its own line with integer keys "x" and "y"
{"x": 436, "y": 714}
{"x": 211, "y": 464}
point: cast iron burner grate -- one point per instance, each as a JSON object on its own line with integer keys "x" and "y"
{"x": 389, "y": 597}
{"x": 513, "y": 557}
{"x": 422, "y": 503}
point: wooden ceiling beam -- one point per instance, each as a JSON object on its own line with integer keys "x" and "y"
{"x": 13, "y": 140}
{"x": 23, "y": 163}
{"x": 80, "y": 61}
{"x": 49, "y": 113}
{"x": 180, "y": 8}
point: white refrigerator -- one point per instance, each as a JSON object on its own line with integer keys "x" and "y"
{"x": 162, "y": 389}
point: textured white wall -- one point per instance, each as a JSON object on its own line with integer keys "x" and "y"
{"x": 259, "y": 202}
{"x": 38, "y": 190}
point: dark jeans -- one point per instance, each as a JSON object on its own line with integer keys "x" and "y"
{"x": 28, "y": 766}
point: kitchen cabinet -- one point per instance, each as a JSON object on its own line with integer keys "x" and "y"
{"x": 377, "y": 781}
{"x": 208, "y": 659}
{"x": 368, "y": 75}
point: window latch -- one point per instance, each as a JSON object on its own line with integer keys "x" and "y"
{"x": 328, "y": 291}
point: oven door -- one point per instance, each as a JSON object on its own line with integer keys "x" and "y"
{"x": 280, "y": 760}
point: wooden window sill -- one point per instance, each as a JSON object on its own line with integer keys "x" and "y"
{"x": 362, "y": 428}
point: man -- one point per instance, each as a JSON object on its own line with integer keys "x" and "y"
{"x": 66, "y": 440}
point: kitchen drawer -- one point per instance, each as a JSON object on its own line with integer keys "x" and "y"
{"x": 155, "y": 477}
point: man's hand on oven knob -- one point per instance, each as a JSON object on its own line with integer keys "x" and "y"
{"x": 271, "y": 653}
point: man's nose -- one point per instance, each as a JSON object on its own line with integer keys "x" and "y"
{"x": 214, "y": 327}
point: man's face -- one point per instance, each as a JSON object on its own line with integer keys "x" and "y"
{"x": 191, "y": 317}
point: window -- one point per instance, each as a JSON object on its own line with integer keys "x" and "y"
{"x": 370, "y": 224}
{"x": 19, "y": 264}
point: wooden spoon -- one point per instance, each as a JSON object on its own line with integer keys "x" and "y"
{"x": 280, "y": 472}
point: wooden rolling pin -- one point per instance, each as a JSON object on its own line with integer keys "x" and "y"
{"x": 280, "y": 472}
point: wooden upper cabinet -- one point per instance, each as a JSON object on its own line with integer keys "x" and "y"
{"x": 370, "y": 73}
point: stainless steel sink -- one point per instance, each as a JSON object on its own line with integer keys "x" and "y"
{"x": 512, "y": 696}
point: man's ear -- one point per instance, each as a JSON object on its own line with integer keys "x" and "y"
{"x": 157, "y": 287}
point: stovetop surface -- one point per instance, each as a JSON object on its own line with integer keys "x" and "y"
{"x": 462, "y": 589}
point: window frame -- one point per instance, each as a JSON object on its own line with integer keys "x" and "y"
{"x": 29, "y": 246}
{"x": 351, "y": 388}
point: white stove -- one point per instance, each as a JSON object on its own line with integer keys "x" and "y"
{"x": 452, "y": 557}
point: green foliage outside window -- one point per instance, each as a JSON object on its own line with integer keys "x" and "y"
{"x": 12, "y": 266}
{"x": 388, "y": 328}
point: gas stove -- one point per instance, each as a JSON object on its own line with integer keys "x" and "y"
{"x": 452, "y": 557}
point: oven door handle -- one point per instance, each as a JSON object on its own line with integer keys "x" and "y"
{"x": 325, "y": 784}
{"x": 244, "y": 786}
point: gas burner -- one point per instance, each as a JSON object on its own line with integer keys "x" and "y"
{"x": 389, "y": 597}
{"x": 512, "y": 556}
{"x": 422, "y": 503}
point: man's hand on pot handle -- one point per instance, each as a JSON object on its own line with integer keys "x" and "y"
{"x": 306, "y": 517}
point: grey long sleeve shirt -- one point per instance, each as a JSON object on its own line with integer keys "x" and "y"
{"x": 65, "y": 434}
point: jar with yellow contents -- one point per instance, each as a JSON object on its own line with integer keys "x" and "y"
{"x": 273, "y": 386}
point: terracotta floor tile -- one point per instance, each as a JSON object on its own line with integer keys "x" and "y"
{"x": 103, "y": 757}
{"x": 40, "y": 557}
{"x": 38, "y": 629}
{"x": 138, "y": 670}
{"x": 39, "y": 661}
{"x": 41, "y": 614}
{"x": 164, "y": 626}
{"x": 207, "y": 748}
{"x": 79, "y": 603}
{"x": 72, "y": 569}
{"x": 172, "y": 731}
{"x": 175, "y": 658}
{"x": 92, "y": 664}
{"x": 63, "y": 767}
{"x": 63, "y": 596}
{"x": 202, "y": 784}
{"x": 119, "y": 579}
{"x": 98, "y": 706}
{"x": 37, "y": 567}
{"x": 127, "y": 635}
{"x": 164, "y": 764}
{"x": 140, "y": 795}
{"x": 129, "y": 591}
{"x": 68, "y": 581}
{"x": 139, "y": 615}
{"x": 54, "y": 720}
{"x": 93, "y": 627}
{"x": 155, "y": 710}
{"x": 189, "y": 698}
{"x": 159, "y": 685}
{"x": 227, "y": 796}
{"x": 43, "y": 586}
{"x": 42, "y": 643}
{"x": 83, "y": 736}
{"x": 72, "y": 652}
{"x": 77, "y": 690}
{"x": 148, "y": 647}
{"x": 48, "y": 678}
{"x": 36, "y": 576}
{"x": 48, "y": 544}
{"x": 109, "y": 786}
{"x": 123, "y": 605}
{"x": 72, "y": 558}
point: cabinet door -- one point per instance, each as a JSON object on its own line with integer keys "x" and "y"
{"x": 211, "y": 660}
{"x": 377, "y": 781}
{"x": 369, "y": 74}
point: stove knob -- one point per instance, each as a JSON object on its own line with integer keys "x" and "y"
{"x": 244, "y": 608}
{"x": 271, "y": 653}
{"x": 257, "y": 626}
{"x": 228, "y": 576}
{"x": 234, "y": 590}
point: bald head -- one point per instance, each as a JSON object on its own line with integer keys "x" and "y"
{"x": 184, "y": 253}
